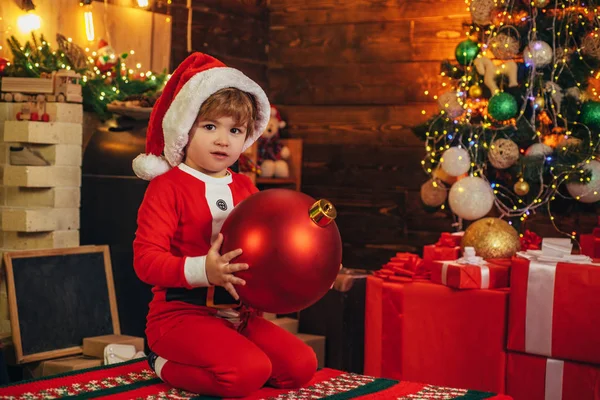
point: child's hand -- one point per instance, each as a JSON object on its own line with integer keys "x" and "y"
{"x": 218, "y": 269}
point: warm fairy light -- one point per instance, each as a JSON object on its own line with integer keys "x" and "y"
{"x": 89, "y": 26}
{"x": 29, "y": 22}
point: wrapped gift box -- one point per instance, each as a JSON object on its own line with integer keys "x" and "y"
{"x": 466, "y": 276}
{"x": 555, "y": 310}
{"x": 539, "y": 378}
{"x": 447, "y": 248}
{"x": 425, "y": 332}
{"x": 590, "y": 244}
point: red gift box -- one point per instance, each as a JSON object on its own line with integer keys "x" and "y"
{"x": 426, "y": 332}
{"x": 539, "y": 378}
{"x": 590, "y": 244}
{"x": 555, "y": 310}
{"x": 467, "y": 276}
{"x": 447, "y": 248}
{"x": 454, "y": 337}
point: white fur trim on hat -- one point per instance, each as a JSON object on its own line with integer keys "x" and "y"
{"x": 149, "y": 166}
{"x": 182, "y": 112}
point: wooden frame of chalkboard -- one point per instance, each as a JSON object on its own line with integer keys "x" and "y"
{"x": 29, "y": 352}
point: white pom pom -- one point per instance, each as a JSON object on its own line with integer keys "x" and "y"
{"x": 149, "y": 166}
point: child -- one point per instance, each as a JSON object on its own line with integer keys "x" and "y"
{"x": 201, "y": 339}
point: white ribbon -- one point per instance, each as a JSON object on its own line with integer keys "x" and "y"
{"x": 538, "y": 309}
{"x": 554, "y": 379}
{"x": 444, "y": 273}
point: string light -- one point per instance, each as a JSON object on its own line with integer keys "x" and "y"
{"x": 476, "y": 121}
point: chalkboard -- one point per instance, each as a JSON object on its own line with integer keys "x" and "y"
{"x": 58, "y": 297}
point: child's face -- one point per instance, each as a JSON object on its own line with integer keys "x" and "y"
{"x": 216, "y": 144}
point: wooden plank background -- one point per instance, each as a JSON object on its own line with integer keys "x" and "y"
{"x": 348, "y": 76}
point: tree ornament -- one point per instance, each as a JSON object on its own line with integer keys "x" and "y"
{"x": 556, "y": 94}
{"x": 490, "y": 72}
{"x": 441, "y": 175}
{"x": 574, "y": 92}
{"x": 538, "y": 150}
{"x": 475, "y": 91}
{"x": 539, "y": 103}
{"x": 3, "y": 64}
{"x": 292, "y": 245}
{"x": 502, "y": 106}
{"x": 590, "y": 114}
{"x": 538, "y": 54}
{"x": 450, "y": 104}
{"x": 503, "y": 153}
{"x": 589, "y": 191}
{"x": 106, "y": 59}
{"x": 504, "y": 47}
{"x": 537, "y": 3}
{"x": 466, "y": 51}
{"x": 521, "y": 187}
{"x": 456, "y": 161}
{"x": 471, "y": 198}
{"x": 590, "y": 45}
{"x": 492, "y": 238}
{"x": 481, "y": 11}
{"x": 433, "y": 193}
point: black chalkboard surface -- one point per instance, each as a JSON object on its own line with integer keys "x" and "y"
{"x": 58, "y": 297}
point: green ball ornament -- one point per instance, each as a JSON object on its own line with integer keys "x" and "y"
{"x": 466, "y": 51}
{"x": 590, "y": 114}
{"x": 502, "y": 107}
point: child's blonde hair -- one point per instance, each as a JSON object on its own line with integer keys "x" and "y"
{"x": 231, "y": 102}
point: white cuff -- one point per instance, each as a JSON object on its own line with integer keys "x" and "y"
{"x": 195, "y": 271}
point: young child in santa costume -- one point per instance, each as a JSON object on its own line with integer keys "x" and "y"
{"x": 201, "y": 339}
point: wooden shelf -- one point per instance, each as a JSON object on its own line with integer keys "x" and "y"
{"x": 275, "y": 181}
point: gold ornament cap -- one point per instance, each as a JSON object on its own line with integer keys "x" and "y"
{"x": 322, "y": 212}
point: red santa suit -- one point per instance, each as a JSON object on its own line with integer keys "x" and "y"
{"x": 200, "y": 345}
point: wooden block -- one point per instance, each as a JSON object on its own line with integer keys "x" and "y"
{"x": 317, "y": 343}
{"x": 42, "y": 132}
{"x": 56, "y": 154}
{"x": 289, "y": 324}
{"x": 58, "y": 112}
{"x": 58, "y": 197}
{"x": 62, "y": 365}
{"x": 39, "y": 219}
{"x": 39, "y": 240}
{"x": 94, "y": 346}
{"x": 51, "y": 176}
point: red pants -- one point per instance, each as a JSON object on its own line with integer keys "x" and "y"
{"x": 207, "y": 355}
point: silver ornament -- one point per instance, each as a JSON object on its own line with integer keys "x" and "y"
{"x": 504, "y": 47}
{"x": 538, "y": 54}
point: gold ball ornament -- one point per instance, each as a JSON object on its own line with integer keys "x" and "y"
{"x": 475, "y": 91}
{"x": 492, "y": 238}
{"x": 521, "y": 188}
{"x": 539, "y": 103}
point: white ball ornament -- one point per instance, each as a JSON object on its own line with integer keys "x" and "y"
{"x": 538, "y": 54}
{"x": 456, "y": 161}
{"x": 538, "y": 150}
{"x": 588, "y": 192}
{"x": 471, "y": 198}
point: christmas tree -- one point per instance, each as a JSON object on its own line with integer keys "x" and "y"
{"x": 519, "y": 127}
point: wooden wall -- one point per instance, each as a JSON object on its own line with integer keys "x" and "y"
{"x": 234, "y": 31}
{"x": 149, "y": 35}
{"x": 349, "y": 76}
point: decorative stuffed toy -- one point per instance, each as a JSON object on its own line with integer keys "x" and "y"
{"x": 271, "y": 152}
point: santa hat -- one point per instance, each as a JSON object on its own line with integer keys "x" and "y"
{"x": 174, "y": 113}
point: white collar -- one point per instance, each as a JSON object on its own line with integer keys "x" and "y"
{"x": 227, "y": 179}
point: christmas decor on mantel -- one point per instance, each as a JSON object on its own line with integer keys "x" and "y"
{"x": 519, "y": 114}
{"x": 107, "y": 83}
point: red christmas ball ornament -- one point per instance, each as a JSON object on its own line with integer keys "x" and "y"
{"x": 3, "y": 64}
{"x": 292, "y": 245}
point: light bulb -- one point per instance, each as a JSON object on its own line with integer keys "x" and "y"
{"x": 29, "y": 22}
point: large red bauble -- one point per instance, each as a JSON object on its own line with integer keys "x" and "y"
{"x": 292, "y": 245}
